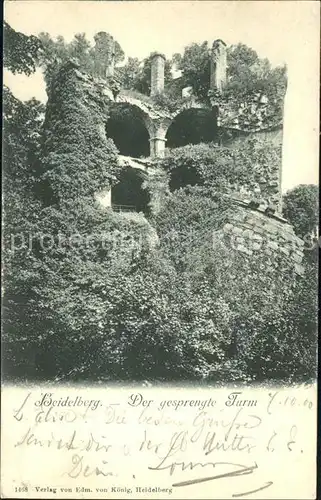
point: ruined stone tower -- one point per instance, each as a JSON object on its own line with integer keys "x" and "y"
{"x": 218, "y": 65}
{"x": 105, "y": 54}
{"x": 257, "y": 225}
{"x": 157, "y": 74}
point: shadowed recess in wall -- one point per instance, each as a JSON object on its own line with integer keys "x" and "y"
{"x": 126, "y": 128}
{"x": 192, "y": 126}
{"x": 128, "y": 194}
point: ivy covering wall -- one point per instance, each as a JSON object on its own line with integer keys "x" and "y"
{"x": 249, "y": 170}
{"x": 95, "y": 295}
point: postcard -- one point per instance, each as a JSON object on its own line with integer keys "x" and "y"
{"x": 160, "y": 254}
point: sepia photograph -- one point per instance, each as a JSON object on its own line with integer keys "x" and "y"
{"x": 149, "y": 234}
{"x": 160, "y": 229}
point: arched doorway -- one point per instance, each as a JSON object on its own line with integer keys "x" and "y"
{"x": 127, "y": 129}
{"x": 192, "y": 126}
{"x": 128, "y": 194}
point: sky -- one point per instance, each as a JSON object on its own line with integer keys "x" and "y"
{"x": 283, "y": 31}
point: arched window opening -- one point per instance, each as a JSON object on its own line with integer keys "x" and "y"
{"x": 192, "y": 126}
{"x": 128, "y": 194}
{"x": 126, "y": 128}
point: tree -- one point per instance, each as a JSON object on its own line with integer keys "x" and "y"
{"x": 22, "y": 126}
{"x": 300, "y": 207}
{"x": 129, "y": 74}
{"x": 21, "y": 52}
{"x": 92, "y": 59}
{"x": 247, "y": 73}
{"x": 22, "y": 123}
{"x": 54, "y": 54}
{"x": 79, "y": 48}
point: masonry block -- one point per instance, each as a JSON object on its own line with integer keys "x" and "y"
{"x": 243, "y": 249}
{"x": 273, "y": 245}
{"x": 299, "y": 269}
{"x": 297, "y": 257}
{"x": 248, "y": 233}
{"x": 228, "y": 227}
{"x": 284, "y": 250}
{"x": 237, "y": 230}
{"x": 256, "y": 246}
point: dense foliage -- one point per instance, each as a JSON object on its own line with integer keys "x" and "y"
{"x": 246, "y": 72}
{"x": 134, "y": 75}
{"x": 77, "y": 159}
{"x": 22, "y": 124}
{"x": 301, "y": 207}
{"x": 269, "y": 318}
{"x": 96, "y": 295}
{"x": 21, "y": 52}
{"x": 199, "y": 164}
{"x": 92, "y": 59}
{"x": 224, "y": 169}
{"x": 60, "y": 243}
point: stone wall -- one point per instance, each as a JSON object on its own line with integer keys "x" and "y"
{"x": 264, "y": 163}
{"x": 78, "y": 159}
{"x": 252, "y": 113}
{"x": 235, "y": 138}
{"x": 104, "y": 54}
{"x": 253, "y": 232}
{"x": 218, "y": 66}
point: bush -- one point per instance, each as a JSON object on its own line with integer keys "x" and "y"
{"x": 202, "y": 164}
{"x": 253, "y": 164}
{"x": 300, "y": 207}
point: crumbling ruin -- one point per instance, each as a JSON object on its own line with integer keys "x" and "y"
{"x": 257, "y": 225}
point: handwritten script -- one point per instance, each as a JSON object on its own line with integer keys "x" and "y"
{"x": 144, "y": 443}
